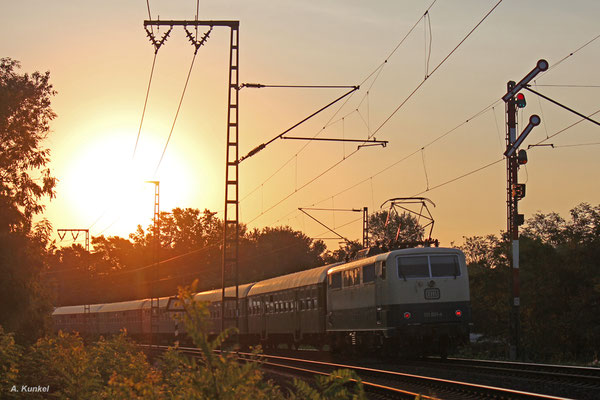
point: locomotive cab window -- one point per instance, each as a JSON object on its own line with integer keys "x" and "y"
{"x": 434, "y": 266}
{"x": 413, "y": 267}
{"x": 444, "y": 266}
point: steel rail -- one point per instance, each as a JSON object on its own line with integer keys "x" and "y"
{"x": 388, "y": 383}
{"x": 587, "y": 375}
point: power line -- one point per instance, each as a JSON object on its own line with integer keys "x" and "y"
{"x": 389, "y": 117}
{"x": 573, "y": 52}
{"x": 459, "y": 177}
{"x": 566, "y": 128}
{"x": 176, "y": 113}
{"x": 577, "y": 145}
{"x": 435, "y": 69}
{"x": 570, "y": 86}
{"x": 377, "y": 71}
{"x": 476, "y": 115}
{"x": 145, "y": 104}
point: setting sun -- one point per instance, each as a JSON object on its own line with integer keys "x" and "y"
{"x": 110, "y": 189}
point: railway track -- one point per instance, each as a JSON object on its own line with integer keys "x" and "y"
{"x": 563, "y": 373}
{"x": 389, "y": 384}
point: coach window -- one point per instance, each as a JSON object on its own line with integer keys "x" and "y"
{"x": 347, "y": 277}
{"x": 444, "y": 266}
{"x": 368, "y": 273}
{"x": 413, "y": 267}
{"x": 335, "y": 280}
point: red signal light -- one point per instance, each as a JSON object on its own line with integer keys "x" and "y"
{"x": 458, "y": 313}
{"x": 521, "y": 103}
{"x": 407, "y": 315}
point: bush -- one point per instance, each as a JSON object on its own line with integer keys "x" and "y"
{"x": 115, "y": 369}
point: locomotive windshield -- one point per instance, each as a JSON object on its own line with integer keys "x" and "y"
{"x": 413, "y": 267}
{"x": 444, "y": 266}
{"x": 433, "y": 266}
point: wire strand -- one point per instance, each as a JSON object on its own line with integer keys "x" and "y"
{"x": 176, "y": 114}
{"x": 145, "y": 104}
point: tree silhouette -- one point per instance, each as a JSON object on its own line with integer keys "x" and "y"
{"x": 25, "y": 115}
{"x": 383, "y": 229}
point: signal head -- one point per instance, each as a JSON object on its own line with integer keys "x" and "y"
{"x": 521, "y": 103}
{"x": 522, "y": 157}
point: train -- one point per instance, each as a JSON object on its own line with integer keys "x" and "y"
{"x": 395, "y": 302}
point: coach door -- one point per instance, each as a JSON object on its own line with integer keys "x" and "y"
{"x": 296, "y": 316}
{"x": 263, "y": 316}
{"x": 380, "y": 272}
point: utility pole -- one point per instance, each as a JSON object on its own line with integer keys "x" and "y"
{"x": 231, "y": 218}
{"x": 512, "y": 213}
{"x": 75, "y": 234}
{"x": 515, "y": 191}
{"x": 154, "y": 276}
{"x": 365, "y": 227}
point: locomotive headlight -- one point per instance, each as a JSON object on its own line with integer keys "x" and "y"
{"x": 458, "y": 313}
{"x": 407, "y": 315}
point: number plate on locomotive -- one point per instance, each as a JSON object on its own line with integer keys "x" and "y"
{"x": 432, "y": 294}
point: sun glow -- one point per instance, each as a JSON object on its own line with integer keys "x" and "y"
{"x": 109, "y": 189}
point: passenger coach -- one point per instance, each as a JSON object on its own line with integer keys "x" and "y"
{"x": 405, "y": 301}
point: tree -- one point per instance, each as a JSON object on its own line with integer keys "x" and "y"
{"x": 25, "y": 115}
{"x": 560, "y": 285}
{"x": 384, "y": 229}
{"x": 278, "y": 251}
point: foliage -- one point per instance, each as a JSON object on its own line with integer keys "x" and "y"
{"x": 25, "y": 301}
{"x": 25, "y": 115}
{"x": 560, "y": 285}
{"x": 278, "y": 251}
{"x": 190, "y": 248}
{"x": 213, "y": 375}
{"x": 383, "y": 227}
{"x": 124, "y": 370}
{"x": 344, "y": 253}
{"x": 115, "y": 369}
{"x": 63, "y": 363}
{"x": 10, "y": 355}
{"x": 342, "y": 384}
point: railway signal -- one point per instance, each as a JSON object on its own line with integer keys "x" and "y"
{"x": 534, "y": 121}
{"x": 514, "y": 190}
{"x": 521, "y": 103}
{"x": 541, "y": 66}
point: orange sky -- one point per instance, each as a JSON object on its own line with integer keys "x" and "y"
{"x": 100, "y": 59}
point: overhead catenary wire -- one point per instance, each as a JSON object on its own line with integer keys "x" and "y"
{"x": 145, "y": 104}
{"x": 484, "y": 110}
{"x": 436, "y": 68}
{"x": 577, "y": 144}
{"x": 176, "y": 113}
{"x": 395, "y": 163}
{"x": 376, "y": 72}
{"x": 391, "y": 115}
{"x": 571, "y": 54}
{"x": 566, "y": 128}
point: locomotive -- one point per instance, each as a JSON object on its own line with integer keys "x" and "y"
{"x": 399, "y": 301}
